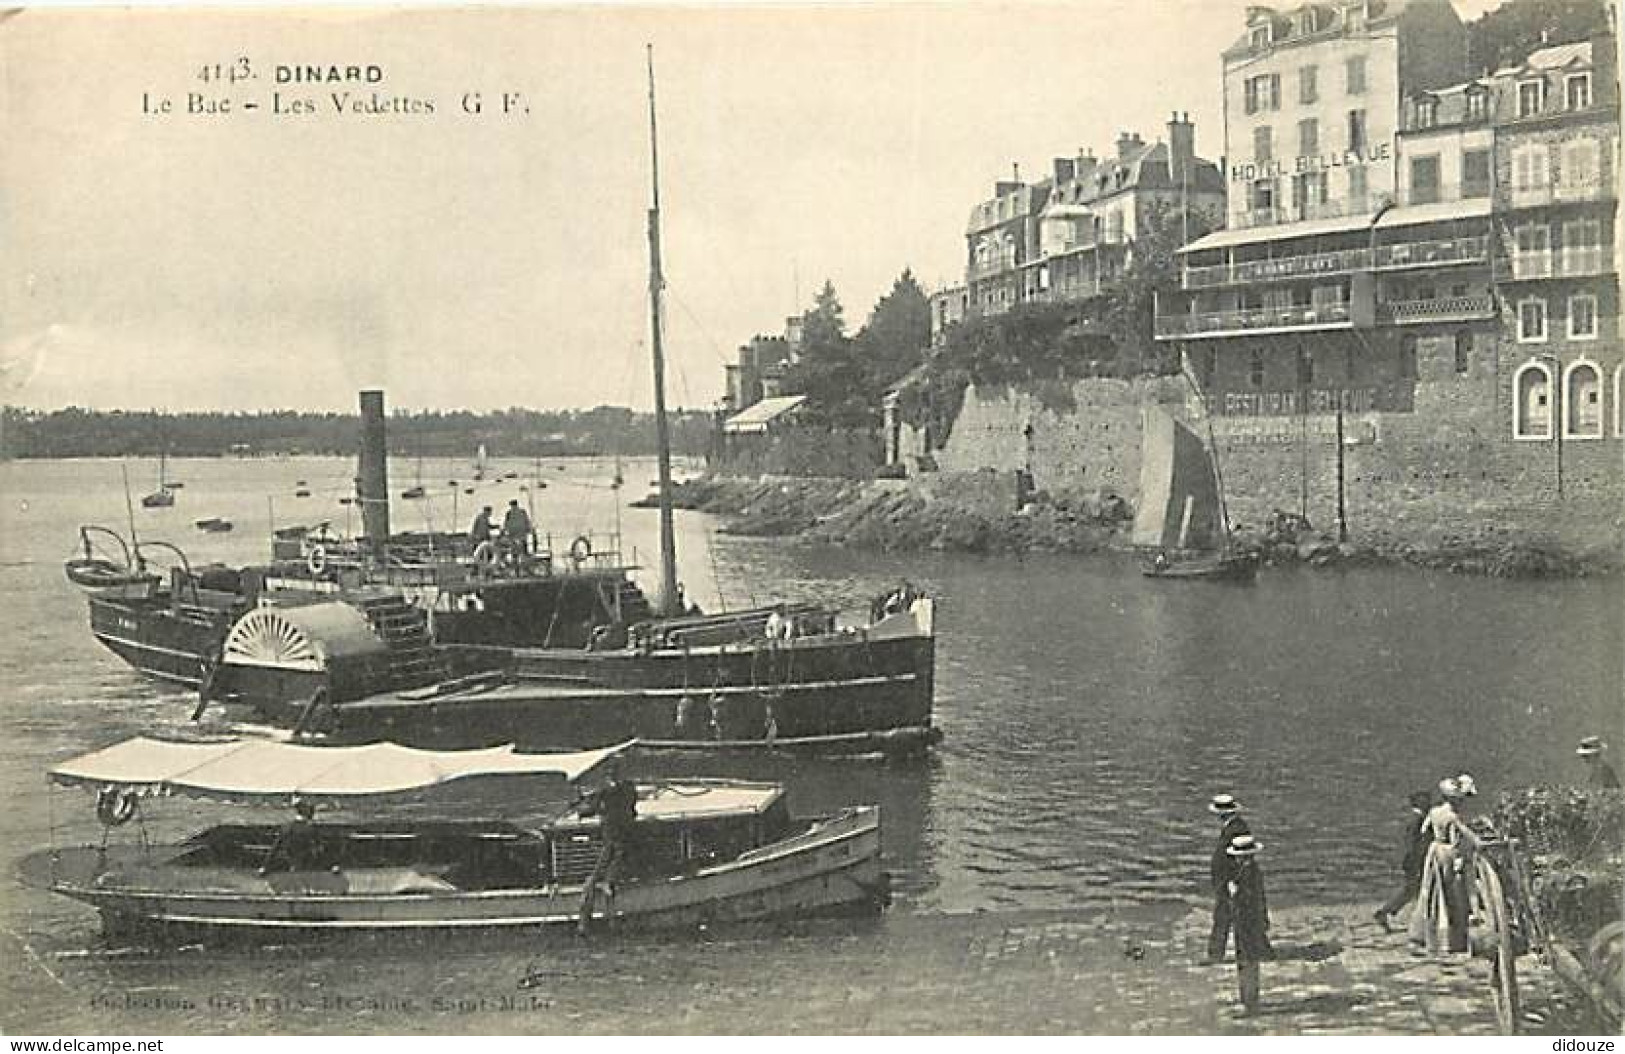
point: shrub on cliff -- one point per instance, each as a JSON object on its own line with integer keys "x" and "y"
{"x": 1575, "y": 840}
{"x": 1039, "y": 347}
{"x": 1044, "y": 347}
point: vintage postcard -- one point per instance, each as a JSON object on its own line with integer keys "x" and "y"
{"x": 896, "y": 518}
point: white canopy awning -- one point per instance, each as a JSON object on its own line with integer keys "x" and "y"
{"x": 1275, "y": 232}
{"x": 1435, "y": 212}
{"x": 266, "y": 772}
{"x": 757, "y": 416}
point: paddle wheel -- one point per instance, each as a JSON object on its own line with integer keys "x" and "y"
{"x": 294, "y": 652}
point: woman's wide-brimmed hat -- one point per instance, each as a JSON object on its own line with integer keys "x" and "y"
{"x": 1223, "y": 803}
{"x": 1244, "y": 845}
{"x": 1450, "y": 788}
{"x": 1590, "y": 747}
{"x": 1468, "y": 787}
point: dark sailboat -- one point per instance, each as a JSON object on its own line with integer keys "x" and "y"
{"x": 1181, "y": 522}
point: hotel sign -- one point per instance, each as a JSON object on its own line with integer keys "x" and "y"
{"x": 1246, "y": 173}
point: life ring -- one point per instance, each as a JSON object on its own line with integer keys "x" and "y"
{"x": 485, "y": 554}
{"x": 114, "y": 808}
{"x": 316, "y": 562}
{"x": 580, "y": 549}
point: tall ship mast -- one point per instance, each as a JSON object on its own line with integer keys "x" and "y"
{"x": 666, "y": 602}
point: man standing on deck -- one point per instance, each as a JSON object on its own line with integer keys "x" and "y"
{"x": 616, "y": 806}
{"x": 481, "y": 531}
{"x": 1600, "y": 774}
{"x": 1231, "y": 824}
{"x": 1414, "y": 839}
{"x": 516, "y": 528}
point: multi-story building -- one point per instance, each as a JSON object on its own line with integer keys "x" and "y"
{"x": 1068, "y": 236}
{"x": 759, "y": 372}
{"x": 1556, "y": 118}
{"x": 1377, "y": 230}
{"x": 1311, "y": 102}
{"x": 1446, "y": 287}
{"x": 1002, "y": 237}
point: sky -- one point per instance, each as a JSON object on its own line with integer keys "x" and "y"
{"x": 255, "y": 260}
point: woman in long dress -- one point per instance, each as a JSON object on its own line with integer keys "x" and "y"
{"x": 1446, "y": 893}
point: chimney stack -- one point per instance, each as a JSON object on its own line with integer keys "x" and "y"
{"x": 374, "y": 473}
{"x": 1085, "y": 170}
{"x": 1065, "y": 167}
{"x": 1181, "y": 148}
{"x": 1128, "y": 144}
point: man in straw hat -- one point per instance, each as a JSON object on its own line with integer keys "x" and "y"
{"x": 1251, "y": 914}
{"x": 1231, "y": 824}
{"x": 1599, "y": 773}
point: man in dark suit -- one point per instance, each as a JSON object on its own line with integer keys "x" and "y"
{"x": 1413, "y": 839}
{"x": 1231, "y": 824}
{"x": 1250, "y": 909}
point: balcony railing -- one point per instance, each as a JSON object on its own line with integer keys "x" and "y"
{"x": 1595, "y": 189}
{"x": 1218, "y": 323}
{"x": 1439, "y": 309}
{"x": 990, "y": 268}
{"x": 1563, "y": 263}
{"x": 1442, "y": 251}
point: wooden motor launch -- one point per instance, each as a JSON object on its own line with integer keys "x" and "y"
{"x": 420, "y": 847}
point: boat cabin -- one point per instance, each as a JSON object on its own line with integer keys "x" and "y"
{"x": 681, "y": 828}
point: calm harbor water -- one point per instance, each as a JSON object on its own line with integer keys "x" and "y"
{"x": 1089, "y": 713}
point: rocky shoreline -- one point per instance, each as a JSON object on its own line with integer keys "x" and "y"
{"x": 900, "y": 516}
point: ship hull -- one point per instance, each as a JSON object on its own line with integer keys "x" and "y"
{"x": 171, "y": 644}
{"x": 832, "y": 692}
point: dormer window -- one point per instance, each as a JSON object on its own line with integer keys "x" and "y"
{"x": 1427, "y": 112}
{"x": 1261, "y": 36}
{"x": 1477, "y": 104}
{"x": 1577, "y": 91}
{"x": 1531, "y": 98}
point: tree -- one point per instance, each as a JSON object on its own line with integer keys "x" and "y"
{"x": 1510, "y": 32}
{"x": 1153, "y": 268}
{"x": 894, "y": 339}
{"x": 824, "y": 325}
{"x": 828, "y": 371}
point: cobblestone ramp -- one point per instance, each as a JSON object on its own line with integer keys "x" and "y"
{"x": 1339, "y": 973}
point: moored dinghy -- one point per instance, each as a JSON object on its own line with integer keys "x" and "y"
{"x": 700, "y": 851}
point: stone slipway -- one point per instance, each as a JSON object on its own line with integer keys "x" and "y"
{"x": 1135, "y": 972}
